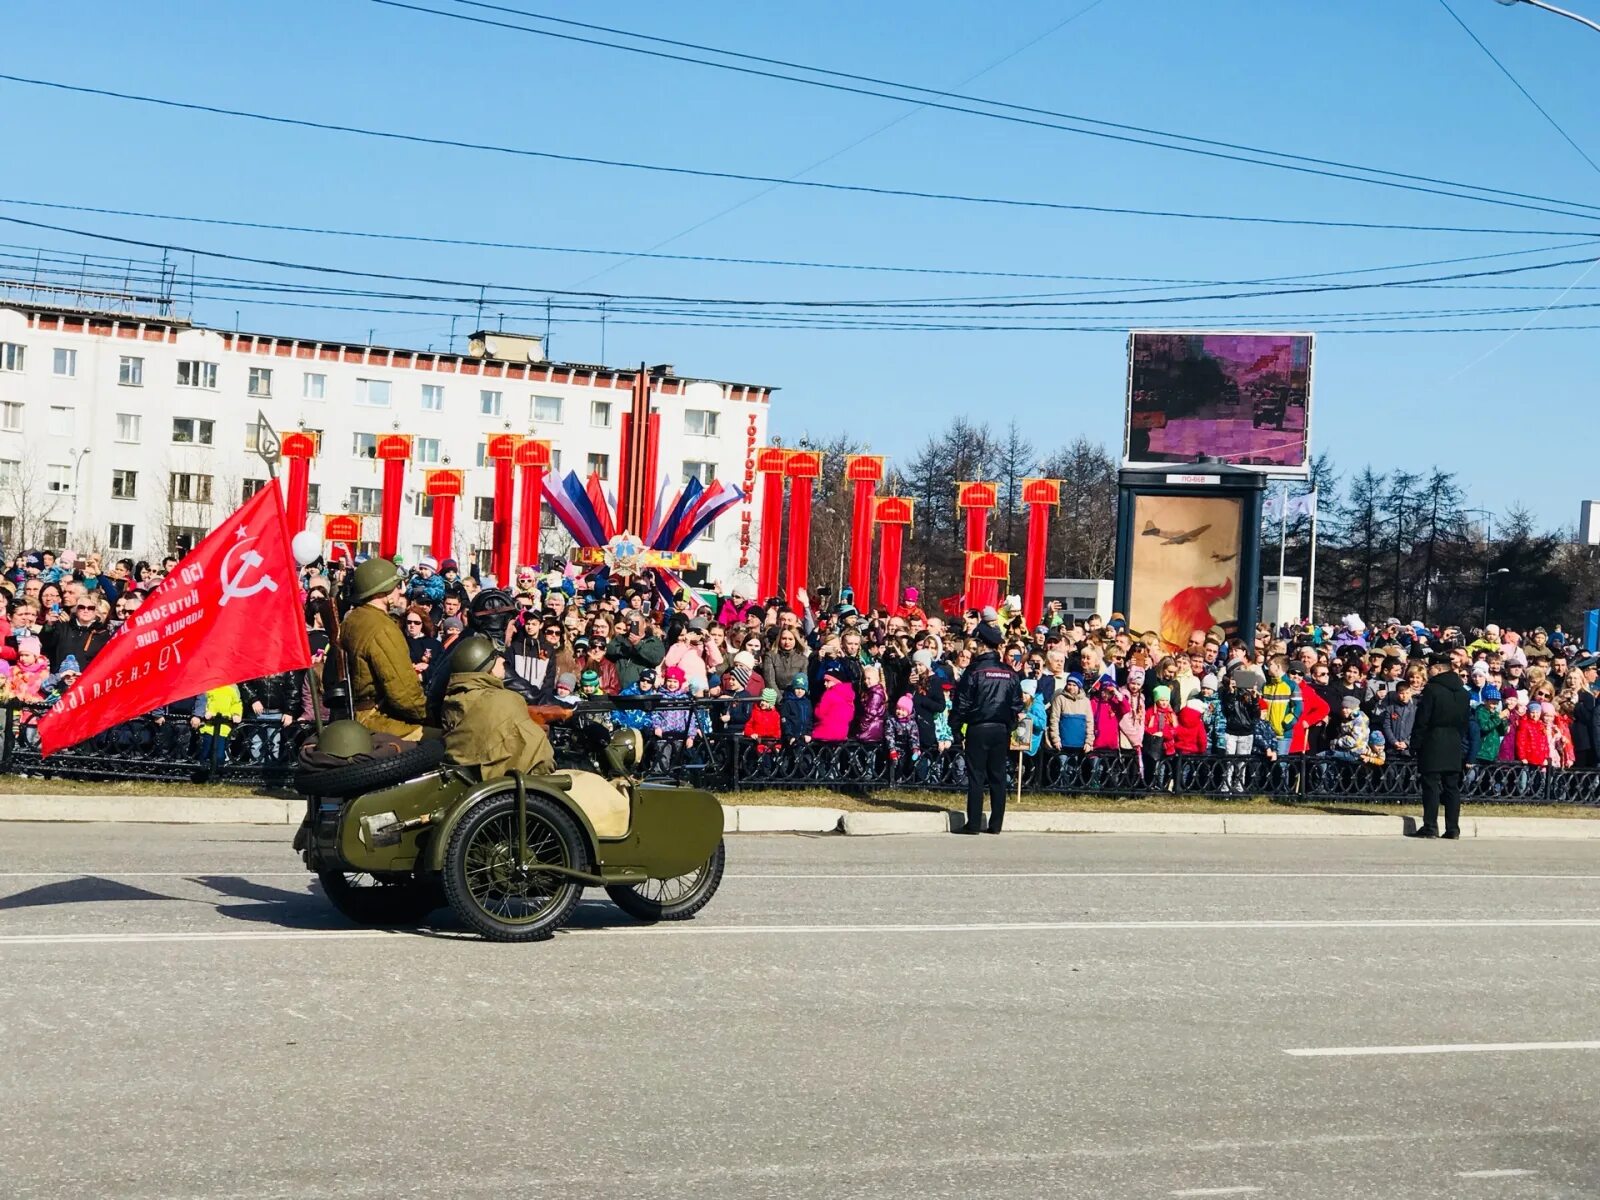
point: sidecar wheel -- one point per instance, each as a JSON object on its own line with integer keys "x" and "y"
{"x": 378, "y": 900}
{"x": 490, "y": 893}
{"x": 673, "y": 899}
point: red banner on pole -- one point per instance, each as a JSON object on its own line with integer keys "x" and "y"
{"x": 893, "y": 515}
{"x": 442, "y": 488}
{"x": 393, "y": 450}
{"x": 299, "y": 448}
{"x": 227, "y": 612}
{"x": 769, "y": 463}
{"x": 532, "y": 458}
{"x": 866, "y": 472}
{"x": 1040, "y": 495}
{"x": 978, "y": 498}
{"x": 502, "y": 450}
{"x": 803, "y": 468}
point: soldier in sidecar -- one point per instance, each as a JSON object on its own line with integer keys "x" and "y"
{"x": 482, "y": 821}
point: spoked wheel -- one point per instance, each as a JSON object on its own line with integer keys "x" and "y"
{"x": 675, "y": 899}
{"x": 379, "y": 899}
{"x": 490, "y": 892}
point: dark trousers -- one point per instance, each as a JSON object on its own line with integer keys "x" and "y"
{"x": 1445, "y": 786}
{"x": 988, "y": 747}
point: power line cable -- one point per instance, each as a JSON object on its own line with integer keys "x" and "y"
{"x": 1207, "y": 147}
{"x": 819, "y": 185}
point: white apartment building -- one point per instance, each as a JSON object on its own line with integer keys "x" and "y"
{"x": 136, "y": 435}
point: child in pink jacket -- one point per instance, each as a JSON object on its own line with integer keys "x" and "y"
{"x": 835, "y": 709}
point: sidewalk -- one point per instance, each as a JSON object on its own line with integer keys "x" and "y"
{"x": 763, "y": 818}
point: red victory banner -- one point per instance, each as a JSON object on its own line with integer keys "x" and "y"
{"x": 532, "y": 459}
{"x": 393, "y": 451}
{"x": 1040, "y": 495}
{"x": 978, "y": 499}
{"x": 866, "y": 472}
{"x": 229, "y": 611}
{"x": 502, "y": 451}
{"x": 444, "y": 488}
{"x": 893, "y": 516}
{"x": 341, "y": 527}
{"x": 802, "y": 468}
{"x": 299, "y": 449}
{"x": 986, "y": 569}
{"x": 769, "y": 463}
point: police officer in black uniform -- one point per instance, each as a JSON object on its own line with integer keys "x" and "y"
{"x": 988, "y": 702}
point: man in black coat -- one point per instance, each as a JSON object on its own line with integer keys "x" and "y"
{"x": 1439, "y": 740}
{"x": 988, "y": 702}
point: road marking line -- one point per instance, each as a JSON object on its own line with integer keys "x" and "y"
{"x": 683, "y": 931}
{"x": 1461, "y": 1048}
{"x": 1218, "y": 1191}
{"x": 1502, "y": 1173}
{"x": 901, "y": 876}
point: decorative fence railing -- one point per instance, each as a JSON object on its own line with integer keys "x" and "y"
{"x": 262, "y": 753}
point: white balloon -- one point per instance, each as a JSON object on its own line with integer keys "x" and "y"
{"x": 307, "y": 546}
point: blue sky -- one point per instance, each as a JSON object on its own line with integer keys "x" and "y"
{"x": 1393, "y": 85}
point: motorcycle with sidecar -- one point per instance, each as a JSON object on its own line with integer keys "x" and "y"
{"x": 393, "y": 839}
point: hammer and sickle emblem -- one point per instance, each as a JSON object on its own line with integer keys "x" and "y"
{"x": 231, "y": 584}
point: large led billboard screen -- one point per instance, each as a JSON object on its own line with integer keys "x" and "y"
{"x": 1244, "y": 398}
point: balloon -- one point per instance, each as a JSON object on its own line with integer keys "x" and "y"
{"x": 307, "y": 547}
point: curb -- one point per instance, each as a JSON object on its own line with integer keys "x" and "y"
{"x": 765, "y": 818}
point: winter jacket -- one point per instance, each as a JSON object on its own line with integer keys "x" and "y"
{"x": 1397, "y": 722}
{"x": 1443, "y": 711}
{"x": 634, "y": 718}
{"x": 1240, "y": 711}
{"x": 632, "y": 659}
{"x": 1283, "y": 706}
{"x": 729, "y": 613}
{"x": 1161, "y": 730}
{"x": 1070, "y": 725}
{"x": 928, "y": 707}
{"x": 276, "y": 693}
{"x": 834, "y": 710}
{"x": 903, "y": 736}
{"x": 1534, "y": 743}
{"x": 763, "y": 722}
{"x": 1353, "y": 734}
{"x": 872, "y": 714}
{"x": 1491, "y": 730}
{"x": 989, "y": 693}
{"x": 780, "y": 667}
{"x": 82, "y": 642}
{"x": 1193, "y": 737}
{"x": 1109, "y": 705}
{"x": 429, "y": 592}
{"x": 1313, "y": 711}
{"x": 1038, "y": 716}
{"x": 794, "y": 713}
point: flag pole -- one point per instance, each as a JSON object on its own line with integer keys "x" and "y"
{"x": 1311, "y": 573}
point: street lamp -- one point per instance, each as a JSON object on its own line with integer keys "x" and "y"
{"x": 1490, "y": 576}
{"x": 1560, "y": 12}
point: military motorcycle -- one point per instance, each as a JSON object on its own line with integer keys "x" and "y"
{"x": 393, "y": 839}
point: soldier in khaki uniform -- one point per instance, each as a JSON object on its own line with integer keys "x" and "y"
{"x": 486, "y": 725}
{"x": 384, "y": 690}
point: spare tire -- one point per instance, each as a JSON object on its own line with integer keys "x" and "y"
{"x": 372, "y": 774}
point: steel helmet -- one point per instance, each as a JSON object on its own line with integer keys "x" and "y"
{"x": 345, "y": 739}
{"x": 474, "y": 653}
{"x": 375, "y": 577}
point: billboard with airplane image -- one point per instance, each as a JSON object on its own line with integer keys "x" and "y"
{"x": 1244, "y": 398}
{"x": 1184, "y": 575}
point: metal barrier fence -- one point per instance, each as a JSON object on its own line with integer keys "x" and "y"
{"x": 261, "y": 752}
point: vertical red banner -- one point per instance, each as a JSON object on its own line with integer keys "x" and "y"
{"x": 769, "y": 464}
{"x": 532, "y": 459}
{"x": 299, "y": 448}
{"x": 892, "y": 514}
{"x": 1040, "y": 495}
{"x": 978, "y": 499}
{"x": 442, "y": 488}
{"x": 866, "y": 472}
{"x": 393, "y": 450}
{"x": 803, "y": 468}
{"x": 501, "y": 450}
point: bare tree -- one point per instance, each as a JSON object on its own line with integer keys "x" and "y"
{"x": 26, "y": 497}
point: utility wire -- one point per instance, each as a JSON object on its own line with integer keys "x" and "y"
{"x": 818, "y": 185}
{"x": 1207, "y": 147}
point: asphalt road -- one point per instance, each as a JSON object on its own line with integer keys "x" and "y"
{"x": 875, "y": 1017}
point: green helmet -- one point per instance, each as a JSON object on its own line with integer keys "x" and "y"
{"x": 475, "y": 653}
{"x": 345, "y": 739}
{"x": 375, "y": 577}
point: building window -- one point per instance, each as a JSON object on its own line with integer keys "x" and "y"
{"x": 483, "y": 454}
{"x": 424, "y": 505}
{"x": 705, "y": 472}
{"x": 555, "y": 461}
{"x": 260, "y": 381}
{"x": 313, "y": 386}
{"x": 699, "y": 422}
{"x": 130, "y": 371}
{"x": 125, "y": 485}
{"x": 183, "y": 538}
{"x": 483, "y": 508}
{"x": 190, "y": 489}
{"x": 600, "y": 464}
{"x": 60, "y": 421}
{"x": 193, "y": 431}
{"x": 709, "y": 533}
{"x": 432, "y": 397}
{"x": 121, "y": 537}
{"x": 252, "y": 437}
{"x": 129, "y": 427}
{"x": 489, "y": 403}
{"x": 600, "y": 414}
{"x": 64, "y": 363}
{"x": 374, "y": 393}
{"x": 365, "y": 500}
{"x": 10, "y": 416}
{"x": 546, "y": 410}
{"x": 12, "y": 356}
{"x": 364, "y": 445}
{"x": 58, "y": 477}
{"x": 196, "y": 374}
{"x": 314, "y": 498}
{"x": 55, "y": 533}
{"x": 9, "y": 469}
{"x": 250, "y": 488}
{"x": 426, "y": 450}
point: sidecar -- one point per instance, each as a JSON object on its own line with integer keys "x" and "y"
{"x": 391, "y": 840}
